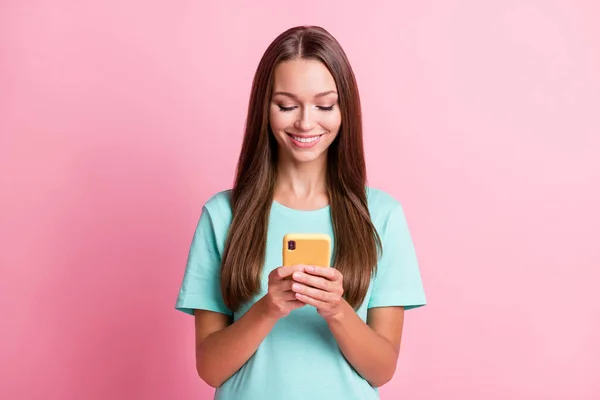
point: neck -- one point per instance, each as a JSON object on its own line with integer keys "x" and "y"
{"x": 302, "y": 185}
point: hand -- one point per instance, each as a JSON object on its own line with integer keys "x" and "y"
{"x": 280, "y": 300}
{"x": 322, "y": 288}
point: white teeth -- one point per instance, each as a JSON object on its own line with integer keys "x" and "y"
{"x": 305, "y": 140}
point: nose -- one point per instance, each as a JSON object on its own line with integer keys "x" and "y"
{"x": 305, "y": 122}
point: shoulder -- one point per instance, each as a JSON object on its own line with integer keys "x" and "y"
{"x": 379, "y": 198}
{"x": 219, "y": 200}
{"x": 385, "y": 209}
{"x": 215, "y": 218}
{"x": 381, "y": 202}
{"x": 218, "y": 206}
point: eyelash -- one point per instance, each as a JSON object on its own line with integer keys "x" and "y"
{"x": 287, "y": 109}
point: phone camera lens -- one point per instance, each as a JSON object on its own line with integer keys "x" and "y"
{"x": 291, "y": 245}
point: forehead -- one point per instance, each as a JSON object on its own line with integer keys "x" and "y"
{"x": 303, "y": 78}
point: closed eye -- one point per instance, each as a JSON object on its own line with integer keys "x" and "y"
{"x": 330, "y": 108}
{"x": 320, "y": 108}
{"x": 284, "y": 109}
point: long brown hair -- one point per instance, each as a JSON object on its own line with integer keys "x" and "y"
{"x": 357, "y": 243}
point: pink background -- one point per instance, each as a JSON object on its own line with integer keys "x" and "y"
{"x": 119, "y": 119}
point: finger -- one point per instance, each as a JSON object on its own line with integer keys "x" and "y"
{"x": 309, "y": 300}
{"x": 283, "y": 272}
{"x": 326, "y": 272}
{"x": 316, "y": 294}
{"x": 314, "y": 281}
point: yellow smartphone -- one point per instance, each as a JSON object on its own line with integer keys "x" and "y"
{"x": 307, "y": 248}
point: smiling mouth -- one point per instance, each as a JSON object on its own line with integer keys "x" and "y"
{"x": 305, "y": 139}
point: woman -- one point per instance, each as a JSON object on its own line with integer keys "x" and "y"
{"x": 269, "y": 332}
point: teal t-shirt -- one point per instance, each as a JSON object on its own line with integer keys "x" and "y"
{"x": 299, "y": 359}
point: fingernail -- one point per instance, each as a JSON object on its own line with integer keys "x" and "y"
{"x": 296, "y": 287}
{"x": 310, "y": 269}
{"x": 297, "y": 275}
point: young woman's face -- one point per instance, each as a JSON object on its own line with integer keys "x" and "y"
{"x": 304, "y": 113}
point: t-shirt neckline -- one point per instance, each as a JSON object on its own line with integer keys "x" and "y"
{"x": 292, "y": 212}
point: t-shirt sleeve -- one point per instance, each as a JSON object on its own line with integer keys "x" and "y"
{"x": 398, "y": 279}
{"x": 201, "y": 286}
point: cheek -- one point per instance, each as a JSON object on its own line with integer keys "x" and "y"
{"x": 332, "y": 122}
{"x": 279, "y": 120}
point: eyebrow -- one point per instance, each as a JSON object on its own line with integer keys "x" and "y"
{"x": 293, "y": 96}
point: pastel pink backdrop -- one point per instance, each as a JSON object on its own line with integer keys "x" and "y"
{"x": 119, "y": 119}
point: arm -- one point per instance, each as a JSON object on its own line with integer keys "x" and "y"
{"x": 372, "y": 348}
{"x": 223, "y": 347}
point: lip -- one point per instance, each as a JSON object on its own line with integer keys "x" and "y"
{"x": 303, "y": 145}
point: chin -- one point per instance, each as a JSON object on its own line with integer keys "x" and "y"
{"x": 301, "y": 156}
{"x": 307, "y": 158}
